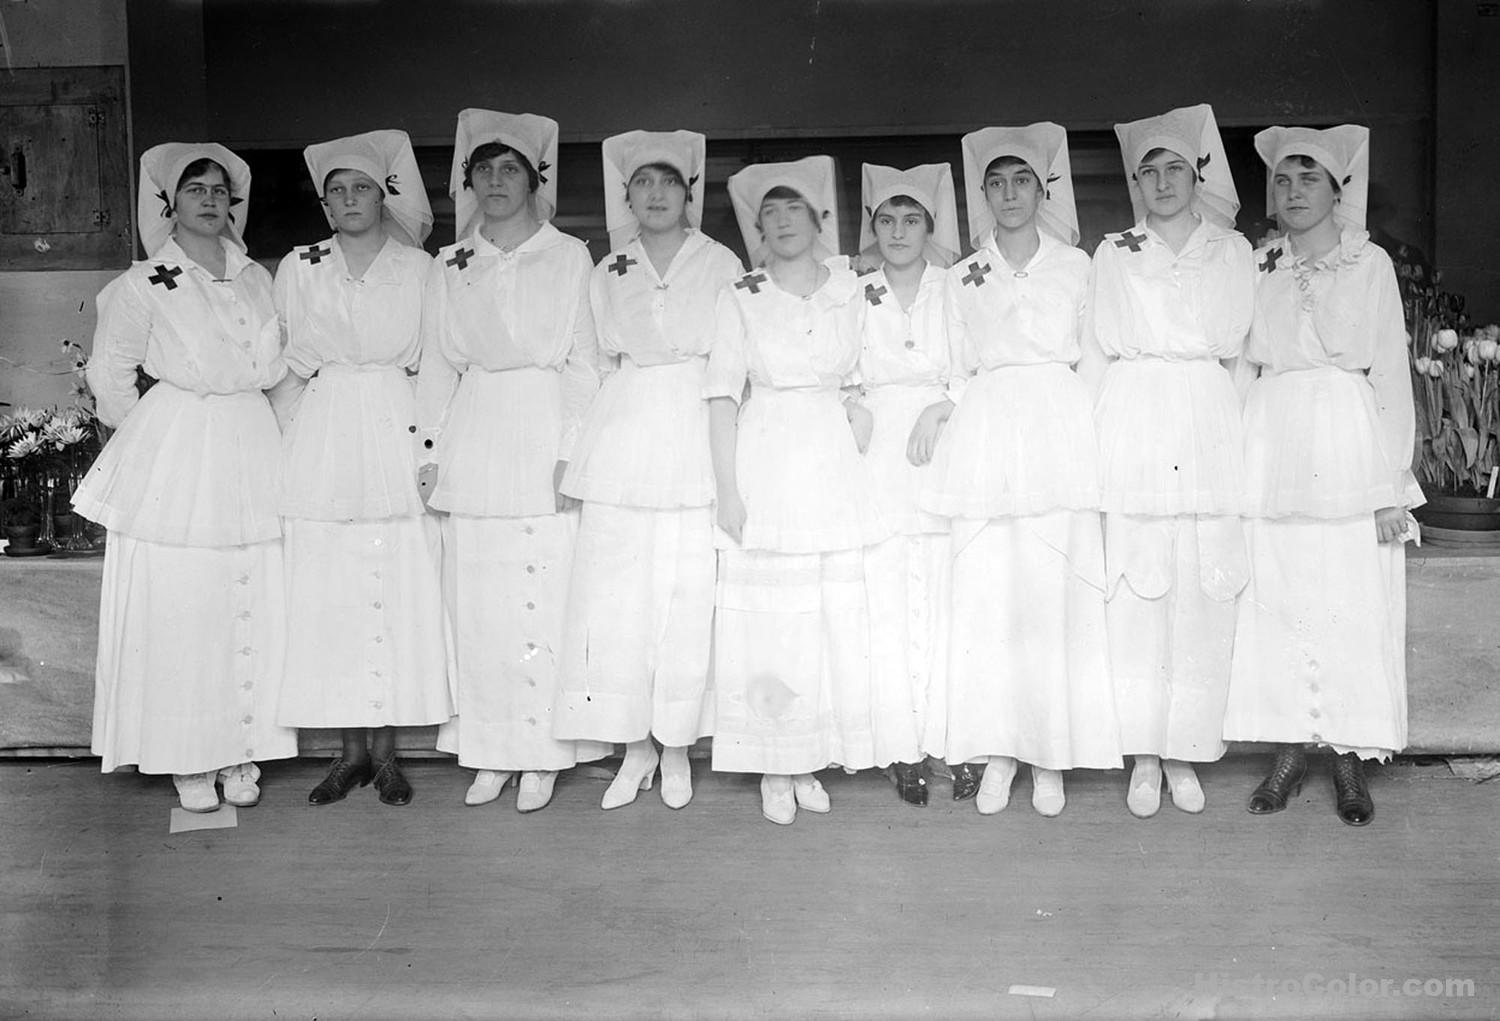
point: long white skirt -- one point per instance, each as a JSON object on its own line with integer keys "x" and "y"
{"x": 365, "y": 626}
{"x": 1028, "y": 669}
{"x": 906, "y": 579}
{"x": 1171, "y": 613}
{"x": 638, "y": 627}
{"x": 1320, "y": 652}
{"x": 791, "y": 662}
{"x": 506, "y": 582}
{"x": 191, "y": 645}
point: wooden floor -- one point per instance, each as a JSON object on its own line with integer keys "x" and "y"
{"x": 363, "y": 911}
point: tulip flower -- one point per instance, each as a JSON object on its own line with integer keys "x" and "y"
{"x": 1435, "y": 370}
{"x": 1469, "y": 371}
{"x": 1421, "y": 365}
{"x": 1447, "y": 339}
{"x": 1489, "y": 350}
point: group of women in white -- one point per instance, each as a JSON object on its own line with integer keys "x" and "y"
{"x": 1011, "y": 507}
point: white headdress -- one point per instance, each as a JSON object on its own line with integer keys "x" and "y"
{"x": 1044, "y": 148}
{"x": 684, "y": 151}
{"x": 1192, "y": 133}
{"x": 932, "y": 186}
{"x": 529, "y": 134}
{"x": 387, "y": 159}
{"x": 811, "y": 177}
{"x": 1343, "y": 151}
{"x": 162, "y": 166}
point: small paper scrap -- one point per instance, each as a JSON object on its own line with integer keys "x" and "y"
{"x": 223, "y": 819}
{"x": 1046, "y": 991}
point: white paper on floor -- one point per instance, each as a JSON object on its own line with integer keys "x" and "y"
{"x": 223, "y": 819}
{"x": 1046, "y": 991}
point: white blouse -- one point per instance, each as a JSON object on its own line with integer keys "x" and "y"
{"x": 495, "y": 310}
{"x": 1342, "y": 311}
{"x": 904, "y": 346}
{"x": 1000, "y": 316}
{"x": 332, "y": 318}
{"x": 775, "y": 339}
{"x": 654, "y": 319}
{"x": 171, "y": 317}
{"x": 350, "y": 447}
{"x": 1149, "y": 302}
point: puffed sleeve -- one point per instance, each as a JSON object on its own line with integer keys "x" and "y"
{"x": 728, "y": 367}
{"x": 609, "y": 360}
{"x": 1103, "y": 311}
{"x": 580, "y": 372}
{"x": 120, "y": 340}
{"x": 287, "y": 392}
{"x": 962, "y": 361}
{"x": 1233, "y": 303}
{"x": 436, "y": 376}
{"x": 1390, "y": 378}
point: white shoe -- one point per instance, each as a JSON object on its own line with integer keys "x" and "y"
{"x": 1182, "y": 781}
{"x": 777, "y": 802}
{"x": 487, "y": 785}
{"x": 994, "y": 789}
{"x": 629, "y": 782}
{"x": 676, "y": 778}
{"x": 810, "y": 794}
{"x": 536, "y": 790}
{"x": 240, "y": 786}
{"x": 196, "y": 791}
{"x": 1047, "y": 791}
{"x": 1144, "y": 797}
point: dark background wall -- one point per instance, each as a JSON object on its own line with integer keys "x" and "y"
{"x": 276, "y": 74}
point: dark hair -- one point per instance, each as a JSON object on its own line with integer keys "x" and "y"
{"x": 782, "y": 193}
{"x": 673, "y": 175}
{"x": 1001, "y": 162}
{"x": 493, "y": 150}
{"x": 1159, "y": 150}
{"x": 198, "y": 168}
{"x": 906, "y": 202}
{"x": 329, "y": 176}
{"x": 1308, "y": 163}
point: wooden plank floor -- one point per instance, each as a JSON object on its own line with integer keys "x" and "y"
{"x": 362, "y": 911}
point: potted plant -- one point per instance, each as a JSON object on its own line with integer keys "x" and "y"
{"x": 1455, "y": 375}
{"x": 45, "y": 454}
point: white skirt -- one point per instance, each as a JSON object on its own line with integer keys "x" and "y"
{"x": 350, "y": 451}
{"x": 1170, "y": 438}
{"x": 506, "y": 584}
{"x": 1028, "y": 667}
{"x": 791, "y": 663}
{"x": 365, "y": 625}
{"x": 907, "y": 582}
{"x": 800, "y": 475}
{"x": 638, "y": 627}
{"x": 191, "y": 641}
{"x": 644, "y": 442}
{"x": 188, "y": 469}
{"x": 896, "y": 481}
{"x": 1171, "y": 611}
{"x": 1314, "y": 448}
{"x": 1020, "y": 442}
{"x": 1320, "y": 650}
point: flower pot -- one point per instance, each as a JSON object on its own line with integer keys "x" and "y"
{"x": 1462, "y": 513}
{"x": 1459, "y": 520}
{"x": 25, "y": 541}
